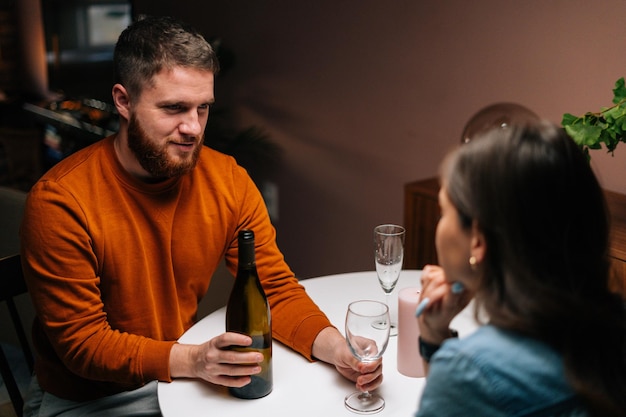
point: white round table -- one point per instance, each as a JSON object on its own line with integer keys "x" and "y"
{"x": 302, "y": 388}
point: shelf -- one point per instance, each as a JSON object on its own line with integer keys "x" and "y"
{"x": 65, "y": 121}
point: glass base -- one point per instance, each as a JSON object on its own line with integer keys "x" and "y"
{"x": 364, "y": 403}
{"x": 393, "y": 327}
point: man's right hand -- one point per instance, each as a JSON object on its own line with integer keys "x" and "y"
{"x": 214, "y": 362}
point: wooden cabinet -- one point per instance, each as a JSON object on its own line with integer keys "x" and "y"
{"x": 617, "y": 247}
{"x": 421, "y": 213}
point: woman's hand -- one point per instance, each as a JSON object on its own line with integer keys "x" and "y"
{"x": 442, "y": 306}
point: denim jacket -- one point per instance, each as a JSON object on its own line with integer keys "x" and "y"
{"x": 495, "y": 373}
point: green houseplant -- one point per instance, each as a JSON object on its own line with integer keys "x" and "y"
{"x": 606, "y": 126}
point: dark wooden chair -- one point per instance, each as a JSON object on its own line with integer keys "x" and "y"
{"x": 11, "y": 285}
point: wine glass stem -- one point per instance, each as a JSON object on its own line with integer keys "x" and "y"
{"x": 387, "y": 298}
{"x": 393, "y": 325}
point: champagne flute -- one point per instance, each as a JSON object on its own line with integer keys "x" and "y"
{"x": 367, "y": 341}
{"x": 389, "y": 254}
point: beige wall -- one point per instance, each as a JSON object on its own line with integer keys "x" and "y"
{"x": 366, "y": 96}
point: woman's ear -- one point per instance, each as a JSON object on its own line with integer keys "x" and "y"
{"x": 478, "y": 245}
{"x": 121, "y": 100}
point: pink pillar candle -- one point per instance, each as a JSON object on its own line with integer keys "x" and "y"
{"x": 409, "y": 359}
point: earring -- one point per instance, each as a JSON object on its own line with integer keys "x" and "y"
{"x": 473, "y": 263}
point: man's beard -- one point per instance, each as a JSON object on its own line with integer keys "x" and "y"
{"x": 154, "y": 157}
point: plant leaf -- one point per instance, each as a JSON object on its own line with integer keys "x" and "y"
{"x": 568, "y": 119}
{"x": 619, "y": 91}
{"x": 584, "y": 134}
{"x": 607, "y": 126}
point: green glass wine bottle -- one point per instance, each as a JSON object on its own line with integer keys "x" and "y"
{"x": 248, "y": 313}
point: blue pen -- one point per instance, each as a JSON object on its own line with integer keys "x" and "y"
{"x": 421, "y": 306}
{"x": 456, "y": 288}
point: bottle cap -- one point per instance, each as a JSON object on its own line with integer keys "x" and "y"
{"x": 246, "y": 234}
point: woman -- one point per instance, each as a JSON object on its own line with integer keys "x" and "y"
{"x": 524, "y": 231}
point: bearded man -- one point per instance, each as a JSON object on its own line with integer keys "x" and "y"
{"x": 120, "y": 240}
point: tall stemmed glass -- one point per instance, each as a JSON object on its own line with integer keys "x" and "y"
{"x": 389, "y": 254}
{"x": 367, "y": 340}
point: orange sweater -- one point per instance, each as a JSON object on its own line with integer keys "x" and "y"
{"x": 116, "y": 267}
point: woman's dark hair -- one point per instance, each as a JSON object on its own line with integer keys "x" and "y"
{"x": 154, "y": 43}
{"x": 542, "y": 211}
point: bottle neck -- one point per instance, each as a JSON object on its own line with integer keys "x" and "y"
{"x": 246, "y": 255}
